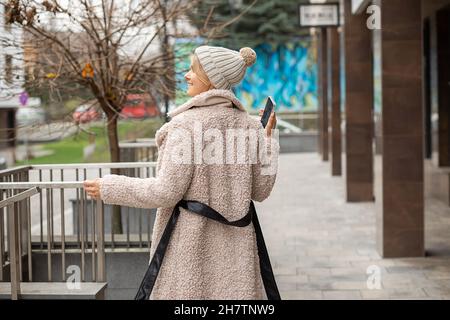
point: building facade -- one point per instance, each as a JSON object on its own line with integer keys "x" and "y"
{"x": 388, "y": 65}
{"x": 11, "y": 84}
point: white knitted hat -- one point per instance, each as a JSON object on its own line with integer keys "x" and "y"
{"x": 225, "y": 67}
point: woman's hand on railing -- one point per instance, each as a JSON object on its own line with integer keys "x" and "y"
{"x": 92, "y": 188}
{"x": 271, "y": 124}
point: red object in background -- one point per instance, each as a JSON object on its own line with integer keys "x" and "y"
{"x": 139, "y": 105}
{"x": 85, "y": 113}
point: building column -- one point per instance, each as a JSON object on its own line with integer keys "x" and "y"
{"x": 358, "y": 106}
{"x": 322, "y": 94}
{"x": 334, "y": 100}
{"x": 400, "y": 195}
{"x": 427, "y": 89}
{"x": 319, "y": 107}
{"x": 442, "y": 69}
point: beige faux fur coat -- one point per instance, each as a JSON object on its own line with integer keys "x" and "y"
{"x": 205, "y": 259}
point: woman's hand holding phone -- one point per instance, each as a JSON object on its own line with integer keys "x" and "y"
{"x": 271, "y": 124}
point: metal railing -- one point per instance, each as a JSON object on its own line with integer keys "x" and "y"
{"x": 305, "y": 122}
{"x": 16, "y": 174}
{"x": 63, "y": 220}
{"x": 92, "y": 244}
{"x": 143, "y": 149}
{"x": 12, "y": 241}
{"x": 16, "y": 252}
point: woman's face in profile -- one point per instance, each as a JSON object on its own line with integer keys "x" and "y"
{"x": 195, "y": 84}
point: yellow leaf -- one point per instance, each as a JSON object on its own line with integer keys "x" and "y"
{"x": 51, "y": 75}
{"x": 88, "y": 71}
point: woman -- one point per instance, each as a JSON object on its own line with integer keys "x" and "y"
{"x": 204, "y": 259}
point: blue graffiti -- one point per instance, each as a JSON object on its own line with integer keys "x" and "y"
{"x": 287, "y": 72}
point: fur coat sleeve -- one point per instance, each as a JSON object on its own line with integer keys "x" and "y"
{"x": 265, "y": 171}
{"x": 163, "y": 191}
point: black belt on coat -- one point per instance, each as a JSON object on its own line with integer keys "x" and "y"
{"x": 146, "y": 287}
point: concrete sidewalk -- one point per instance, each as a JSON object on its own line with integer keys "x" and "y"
{"x": 322, "y": 247}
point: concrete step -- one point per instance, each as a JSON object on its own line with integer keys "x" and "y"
{"x": 55, "y": 291}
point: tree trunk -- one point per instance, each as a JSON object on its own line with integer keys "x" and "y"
{"x": 115, "y": 157}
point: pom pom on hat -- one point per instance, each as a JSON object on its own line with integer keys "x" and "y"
{"x": 248, "y": 55}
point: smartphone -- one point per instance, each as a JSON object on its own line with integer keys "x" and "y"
{"x": 270, "y": 104}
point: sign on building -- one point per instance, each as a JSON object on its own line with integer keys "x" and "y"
{"x": 319, "y": 15}
{"x": 359, "y": 5}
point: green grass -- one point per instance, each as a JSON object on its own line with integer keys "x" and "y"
{"x": 70, "y": 149}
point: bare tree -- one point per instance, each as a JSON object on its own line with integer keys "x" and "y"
{"x": 103, "y": 48}
{"x": 106, "y": 47}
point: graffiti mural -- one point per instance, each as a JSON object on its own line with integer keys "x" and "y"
{"x": 183, "y": 49}
{"x": 287, "y": 72}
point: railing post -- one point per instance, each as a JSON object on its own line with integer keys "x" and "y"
{"x": 28, "y": 230}
{"x": 2, "y": 236}
{"x": 101, "y": 266}
{"x": 14, "y": 251}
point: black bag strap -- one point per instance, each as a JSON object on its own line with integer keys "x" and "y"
{"x": 146, "y": 287}
{"x": 264, "y": 261}
{"x": 199, "y": 208}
